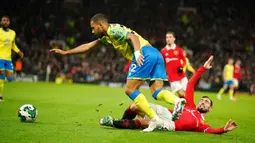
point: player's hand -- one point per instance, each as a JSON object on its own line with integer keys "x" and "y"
{"x": 140, "y": 60}
{"x": 207, "y": 64}
{"x": 230, "y": 125}
{"x": 21, "y": 54}
{"x": 58, "y": 51}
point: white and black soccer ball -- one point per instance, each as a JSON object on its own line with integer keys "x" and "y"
{"x": 27, "y": 113}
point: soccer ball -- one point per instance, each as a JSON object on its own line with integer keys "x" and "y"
{"x": 27, "y": 113}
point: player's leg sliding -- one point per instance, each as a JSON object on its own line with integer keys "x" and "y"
{"x": 121, "y": 124}
{"x": 2, "y": 81}
{"x": 142, "y": 103}
{"x": 128, "y": 114}
{"x": 171, "y": 98}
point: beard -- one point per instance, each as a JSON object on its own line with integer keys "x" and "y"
{"x": 201, "y": 110}
{"x": 99, "y": 35}
{"x": 5, "y": 27}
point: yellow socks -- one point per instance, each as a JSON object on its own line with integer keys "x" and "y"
{"x": 221, "y": 91}
{"x": 231, "y": 93}
{"x": 165, "y": 95}
{"x": 142, "y": 103}
{"x": 1, "y": 87}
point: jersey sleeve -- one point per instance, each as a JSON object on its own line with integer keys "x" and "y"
{"x": 14, "y": 46}
{"x": 209, "y": 130}
{"x": 189, "y": 67}
{"x": 190, "y": 87}
{"x": 118, "y": 33}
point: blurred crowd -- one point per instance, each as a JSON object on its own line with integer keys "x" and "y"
{"x": 202, "y": 27}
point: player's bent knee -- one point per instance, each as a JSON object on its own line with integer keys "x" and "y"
{"x": 129, "y": 90}
{"x": 133, "y": 107}
{"x": 231, "y": 87}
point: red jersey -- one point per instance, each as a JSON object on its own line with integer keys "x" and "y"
{"x": 237, "y": 72}
{"x": 173, "y": 58}
{"x": 191, "y": 119}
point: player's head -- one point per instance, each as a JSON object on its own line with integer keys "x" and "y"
{"x": 238, "y": 62}
{"x": 231, "y": 61}
{"x": 205, "y": 105}
{"x": 97, "y": 23}
{"x": 5, "y": 21}
{"x": 170, "y": 38}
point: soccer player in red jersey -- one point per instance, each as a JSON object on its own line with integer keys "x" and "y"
{"x": 175, "y": 61}
{"x": 192, "y": 118}
{"x": 237, "y": 74}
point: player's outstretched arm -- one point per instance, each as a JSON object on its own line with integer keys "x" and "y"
{"x": 230, "y": 126}
{"x": 80, "y": 49}
{"x": 193, "y": 80}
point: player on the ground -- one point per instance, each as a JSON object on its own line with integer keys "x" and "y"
{"x": 237, "y": 74}
{"x": 7, "y": 44}
{"x": 228, "y": 72}
{"x": 175, "y": 61}
{"x": 192, "y": 118}
{"x": 147, "y": 65}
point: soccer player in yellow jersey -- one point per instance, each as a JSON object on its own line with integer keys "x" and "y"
{"x": 7, "y": 44}
{"x": 228, "y": 80}
{"x": 147, "y": 65}
{"x": 188, "y": 66}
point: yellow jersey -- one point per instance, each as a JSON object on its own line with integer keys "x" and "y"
{"x": 188, "y": 66}
{"x": 7, "y": 44}
{"x": 117, "y": 36}
{"x": 228, "y": 72}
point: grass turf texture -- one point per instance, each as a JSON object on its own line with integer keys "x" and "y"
{"x": 70, "y": 113}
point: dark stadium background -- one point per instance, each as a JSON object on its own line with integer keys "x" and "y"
{"x": 224, "y": 29}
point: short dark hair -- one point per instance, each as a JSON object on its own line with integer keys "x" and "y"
{"x": 99, "y": 18}
{"x": 6, "y": 16}
{"x": 171, "y": 32}
{"x": 209, "y": 99}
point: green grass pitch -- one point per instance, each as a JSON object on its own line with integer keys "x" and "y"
{"x": 70, "y": 113}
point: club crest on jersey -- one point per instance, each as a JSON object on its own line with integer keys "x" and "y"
{"x": 166, "y": 54}
{"x": 176, "y": 52}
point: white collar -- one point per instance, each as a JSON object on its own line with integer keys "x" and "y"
{"x": 172, "y": 47}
